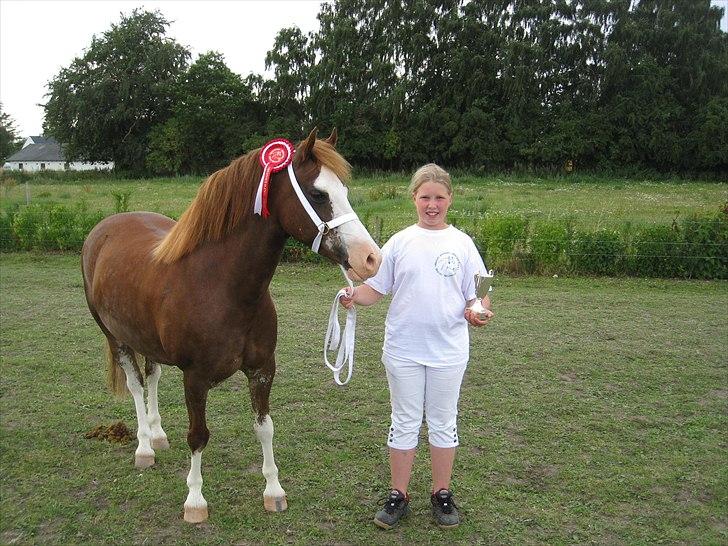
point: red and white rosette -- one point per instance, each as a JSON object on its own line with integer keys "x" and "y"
{"x": 275, "y": 156}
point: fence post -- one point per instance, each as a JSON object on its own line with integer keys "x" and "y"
{"x": 27, "y": 193}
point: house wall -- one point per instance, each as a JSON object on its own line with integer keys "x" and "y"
{"x": 35, "y": 166}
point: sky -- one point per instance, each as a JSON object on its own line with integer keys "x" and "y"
{"x": 39, "y": 37}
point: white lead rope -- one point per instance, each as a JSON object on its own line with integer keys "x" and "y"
{"x": 334, "y": 338}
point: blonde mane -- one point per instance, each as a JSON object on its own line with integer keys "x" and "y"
{"x": 226, "y": 197}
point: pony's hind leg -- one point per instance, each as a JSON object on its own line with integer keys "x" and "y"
{"x": 259, "y": 382}
{"x": 158, "y": 436}
{"x": 125, "y": 357}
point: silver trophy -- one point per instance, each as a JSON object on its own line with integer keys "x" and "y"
{"x": 483, "y": 287}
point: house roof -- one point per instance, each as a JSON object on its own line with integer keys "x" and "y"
{"x": 41, "y": 139}
{"x": 50, "y": 150}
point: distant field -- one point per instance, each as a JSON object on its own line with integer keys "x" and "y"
{"x": 590, "y": 202}
{"x": 593, "y": 412}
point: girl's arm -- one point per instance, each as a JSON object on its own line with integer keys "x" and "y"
{"x": 360, "y": 295}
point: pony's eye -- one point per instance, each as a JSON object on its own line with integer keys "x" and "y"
{"x": 318, "y": 196}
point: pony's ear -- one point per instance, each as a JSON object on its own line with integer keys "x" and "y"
{"x": 307, "y": 145}
{"x": 333, "y": 137}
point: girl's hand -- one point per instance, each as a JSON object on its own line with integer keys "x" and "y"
{"x": 347, "y": 300}
{"x": 475, "y": 320}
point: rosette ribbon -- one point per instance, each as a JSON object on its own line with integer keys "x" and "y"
{"x": 275, "y": 156}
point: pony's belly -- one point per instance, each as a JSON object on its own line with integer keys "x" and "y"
{"x": 143, "y": 341}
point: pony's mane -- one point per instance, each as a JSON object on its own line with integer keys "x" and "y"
{"x": 226, "y": 197}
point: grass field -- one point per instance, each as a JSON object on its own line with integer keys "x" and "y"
{"x": 593, "y": 411}
{"x": 590, "y": 202}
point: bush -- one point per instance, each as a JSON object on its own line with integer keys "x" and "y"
{"x": 53, "y": 227}
{"x": 549, "y": 243}
{"x": 296, "y": 251}
{"x": 705, "y": 246}
{"x": 599, "y": 253}
{"x": 8, "y": 241}
{"x": 655, "y": 251}
{"x": 499, "y": 236}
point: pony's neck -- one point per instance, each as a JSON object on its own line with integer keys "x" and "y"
{"x": 249, "y": 256}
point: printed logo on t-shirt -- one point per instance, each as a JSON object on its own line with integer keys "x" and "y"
{"x": 447, "y": 264}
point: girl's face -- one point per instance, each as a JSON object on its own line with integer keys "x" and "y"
{"x": 432, "y": 201}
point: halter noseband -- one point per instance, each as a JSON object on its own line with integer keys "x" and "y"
{"x": 323, "y": 227}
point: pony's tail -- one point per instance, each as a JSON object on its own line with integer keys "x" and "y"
{"x": 115, "y": 376}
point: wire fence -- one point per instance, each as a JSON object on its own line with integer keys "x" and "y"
{"x": 697, "y": 247}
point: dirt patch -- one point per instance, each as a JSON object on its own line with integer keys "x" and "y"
{"x": 117, "y": 433}
{"x": 12, "y": 537}
{"x": 716, "y": 395}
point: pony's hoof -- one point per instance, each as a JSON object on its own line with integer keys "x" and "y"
{"x": 160, "y": 443}
{"x": 275, "y": 504}
{"x": 143, "y": 461}
{"x": 195, "y": 514}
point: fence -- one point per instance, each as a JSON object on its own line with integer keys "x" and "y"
{"x": 696, "y": 247}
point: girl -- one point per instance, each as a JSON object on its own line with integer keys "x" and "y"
{"x": 428, "y": 268}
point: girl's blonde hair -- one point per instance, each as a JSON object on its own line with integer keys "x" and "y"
{"x": 430, "y": 173}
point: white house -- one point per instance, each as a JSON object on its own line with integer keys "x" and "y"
{"x": 46, "y": 154}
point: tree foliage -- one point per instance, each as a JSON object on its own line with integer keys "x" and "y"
{"x": 104, "y": 105}
{"x": 214, "y": 114}
{"x": 10, "y": 142}
{"x": 480, "y": 84}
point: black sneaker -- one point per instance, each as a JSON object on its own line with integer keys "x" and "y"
{"x": 444, "y": 509}
{"x": 396, "y": 506}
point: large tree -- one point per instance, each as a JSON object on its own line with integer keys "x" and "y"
{"x": 9, "y": 140}
{"x": 103, "y": 106}
{"x": 215, "y": 118}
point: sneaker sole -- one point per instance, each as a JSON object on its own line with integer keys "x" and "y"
{"x": 443, "y": 526}
{"x": 383, "y": 525}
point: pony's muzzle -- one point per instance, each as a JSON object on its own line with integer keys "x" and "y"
{"x": 364, "y": 261}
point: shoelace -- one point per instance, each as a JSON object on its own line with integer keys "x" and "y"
{"x": 391, "y": 502}
{"x": 446, "y": 502}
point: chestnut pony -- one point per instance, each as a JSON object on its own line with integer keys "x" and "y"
{"x": 194, "y": 293}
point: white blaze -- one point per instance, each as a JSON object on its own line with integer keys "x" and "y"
{"x": 351, "y": 233}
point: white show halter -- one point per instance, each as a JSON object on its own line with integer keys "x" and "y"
{"x": 323, "y": 227}
{"x": 333, "y": 332}
{"x": 333, "y": 337}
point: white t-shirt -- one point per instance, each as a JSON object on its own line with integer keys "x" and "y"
{"x": 430, "y": 276}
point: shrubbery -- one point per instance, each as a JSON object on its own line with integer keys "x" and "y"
{"x": 695, "y": 248}
{"x": 46, "y": 227}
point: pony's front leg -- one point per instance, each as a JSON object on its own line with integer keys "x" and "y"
{"x": 197, "y": 437}
{"x": 144, "y": 455}
{"x": 159, "y": 437}
{"x": 274, "y": 497}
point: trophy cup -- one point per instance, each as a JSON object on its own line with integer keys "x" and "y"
{"x": 482, "y": 288}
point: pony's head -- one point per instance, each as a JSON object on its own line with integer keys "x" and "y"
{"x": 321, "y": 172}
{"x": 225, "y": 201}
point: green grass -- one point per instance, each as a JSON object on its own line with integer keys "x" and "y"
{"x": 593, "y": 411}
{"x": 591, "y": 202}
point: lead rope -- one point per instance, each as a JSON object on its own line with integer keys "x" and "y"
{"x": 334, "y": 338}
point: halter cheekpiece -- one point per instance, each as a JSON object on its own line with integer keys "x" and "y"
{"x": 275, "y": 156}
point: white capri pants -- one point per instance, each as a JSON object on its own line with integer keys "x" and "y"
{"x": 414, "y": 388}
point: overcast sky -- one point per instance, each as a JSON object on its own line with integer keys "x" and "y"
{"x": 38, "y": 38}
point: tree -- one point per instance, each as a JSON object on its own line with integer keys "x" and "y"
{"x": 9, "y": 140}
{"x": 103, "y": 106}
{"x": 214, "y": 117}
{"x": 285, "y": 96}
{"x": 665, "y": 87}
